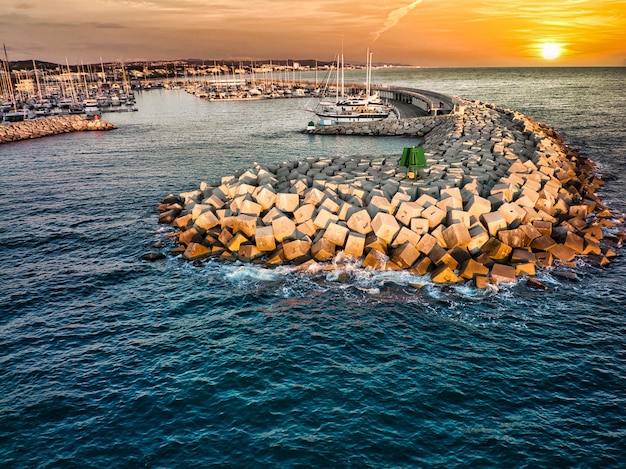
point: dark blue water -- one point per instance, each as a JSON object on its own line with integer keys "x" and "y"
{"x": 109, "y": 361}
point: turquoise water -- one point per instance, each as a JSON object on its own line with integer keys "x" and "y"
{"x": 109, "y": 361}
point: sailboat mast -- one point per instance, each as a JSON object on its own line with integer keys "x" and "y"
{"x": 71, "y": 80}
{"x": 9, "y": 78}
{"x": 342, "y": 74}
{"x": 104, "y": 75}
{"x": 37, "y": 80}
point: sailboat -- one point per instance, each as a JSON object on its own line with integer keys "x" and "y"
{"x": 361, "y": 108}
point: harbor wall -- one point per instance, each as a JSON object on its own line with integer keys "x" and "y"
{"x": 42, "y": 127}
{"x": 502, "y": 197}
{"x": 412, "y": 127}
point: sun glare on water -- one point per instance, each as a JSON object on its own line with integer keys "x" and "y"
{"x": 550, "y": 50}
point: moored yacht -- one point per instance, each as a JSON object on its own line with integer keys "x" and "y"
{"x": 361, "y": 108}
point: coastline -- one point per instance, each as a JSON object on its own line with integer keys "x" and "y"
{"x": 46, "y": 126}
{"x": 502, "y": 196}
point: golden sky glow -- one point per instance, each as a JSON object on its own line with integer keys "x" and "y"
{"x": 445, "y": 33}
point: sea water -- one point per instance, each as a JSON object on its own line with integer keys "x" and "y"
{"x": 110, "y": 361}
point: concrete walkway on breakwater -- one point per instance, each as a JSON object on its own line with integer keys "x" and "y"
{"x": 43, "y": 127}
{"x": 502, "y": 196}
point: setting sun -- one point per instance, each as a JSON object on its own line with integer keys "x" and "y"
{"x": 550, "y": 51}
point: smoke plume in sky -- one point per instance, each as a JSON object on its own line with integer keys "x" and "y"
{"x": 394, "y": 17}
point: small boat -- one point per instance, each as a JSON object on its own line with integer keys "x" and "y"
{"x": 16, "y": 116}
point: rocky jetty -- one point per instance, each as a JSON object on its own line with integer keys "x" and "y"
{"x": 43, "y": 127}
{"x": 502, "y": 196}
{"x": 412, "y": 127}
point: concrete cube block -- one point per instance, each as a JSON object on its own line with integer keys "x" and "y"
{"x": 525, "y": 268}
{"x": 199, "y": 208}
{"x": 385, "y": 226}
{"x": 451, "y": 192}
{"x": 434, "y": 215}
{"x": 479, "y": 236}
{"x": 426, "y": 200}
{"x": 183, "y": 222}
{"x": 323, "y": 249}
{"x": 283, "y": 227}
{"x": 373, "y": 242}
{"x": 336, "y": 234}
{"x": 426, "y": 243}
{"x": 304, "y": 213}
{"x": 271, "y": 214}
{"x": 264, "y": 237}
{"x": 236, "y": 241}
{"x": 405, "y": 235}
{"x": 248, "y": 252}
{"x": 522, "y": 256}
{"x": 192, "y": 235}
{"x": 419, "y": 226}
{"x": 512, "y": 213}
{"x": 215, "y": 201}
{"x": 225, "y": 236}
{"x": 456, "y": 235}
{"x": 360, "y": 222}
{"x": 313, "y": 196}
{"x": 307, "y": 228}
{"x": 378, "y": 204}
{"x": 501, "y": 273}
{"x": 562, "y": 252}
{"x": 207, "y": 220}
{"x": 494, "y": 222}
{"x": 355, "y": 244}
{"x": 265, "y": 197}
{"x": 455, "y": 216}
{"x": 450, "y": 203}
{"x": 407, "y": 211}
{"x": 195, "y": 251}
{"x": 296, "y": 249}
{"x": 575, "y": 243}
{"x": 497, "y": 250}
{"x": 543, "y": 243}
{"x": 245, "y": 224}
{"x": 471, "y": 268}
{"x": 287, "y": 202}
{"x": 444, "y": 274}
{"x": 324, "y": 218}
{"x": 515, "y": 238}
{"x": 375, "y": 260}
{"x": 330, "y": 204}
{"x": 405, "y": 255}
{"x": 422, "y": 266}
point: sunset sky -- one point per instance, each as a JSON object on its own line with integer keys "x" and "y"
{"x": 441, "y": 33}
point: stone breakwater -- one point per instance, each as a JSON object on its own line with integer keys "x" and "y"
{"x": 412, "y": 127}
{"x": 46, "y": 126}
{"x": 501, "y": 197}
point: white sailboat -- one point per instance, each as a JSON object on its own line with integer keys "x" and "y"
{"x": 362, "y": 108}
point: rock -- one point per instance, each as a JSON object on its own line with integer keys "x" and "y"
{"x": 535, "y": 284}
{"x": 152, "y": 256}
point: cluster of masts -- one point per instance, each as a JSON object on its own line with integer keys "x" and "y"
{"x": 267, "y": 83}
{"x": 39, "y": 93}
